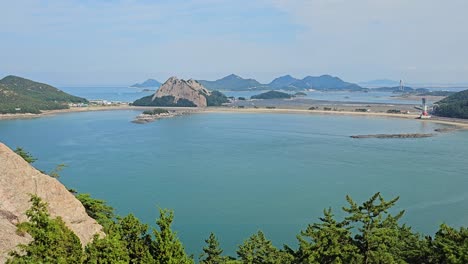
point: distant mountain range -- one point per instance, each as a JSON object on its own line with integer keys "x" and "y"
{"x": 324, "y": 82}
{"x": 150, "y": 83}
{"x": 20, "y": 95}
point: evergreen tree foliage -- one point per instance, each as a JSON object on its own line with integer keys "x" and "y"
{"x": 97, "y": 209}
{"x": 367, "y": 234}
{"x": 212, "y": 252}
{"x": 327, "y": 242}
{"x": 108, "y": 250}
{"x": 25, "y": 155}
{"x": 138, "y": 241}
{"x": 259, "y": 250}
{"x": 52, "y": 241}
{"x": 167, "y": 248}
{"x": 378, "y": 237}
{"x": 450, "y": 245}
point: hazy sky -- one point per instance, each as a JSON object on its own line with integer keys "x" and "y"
{"x": 121, "y": 42}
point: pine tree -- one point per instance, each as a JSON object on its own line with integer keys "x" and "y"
{"x": 212, "y": 252}
{"x": 138, "y": 241}
{"x": 259, "y": 250}
{"x": 450, "y": 245}
{"x": 327, "y": 242}
{"x": 108, "y": 250}
{"x": 167, "y": 248}
{"x": 53, "y": 241}
{"x": 378, "y": 237}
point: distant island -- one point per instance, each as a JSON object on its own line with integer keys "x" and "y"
{"x": 402, "y": 89}
{"x": 150, "y": 83}
{"x": 20, "y": 95}
{"x": 455, "y": 105}
{"x": 234, "y": 82}
{"x": 272, "y": 95}
{"x": 182, "y": 93}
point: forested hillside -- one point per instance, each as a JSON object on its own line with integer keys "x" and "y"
{"x": 19, "y": 95}
{"x": 456, "y": 105}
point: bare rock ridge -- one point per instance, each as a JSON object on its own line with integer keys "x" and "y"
{"x": 18, "y": 179}
{"x": 191, "y": 90}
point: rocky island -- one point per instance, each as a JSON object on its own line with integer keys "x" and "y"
{"x": 183, "y": 93}
{"x": 156, "y": 114}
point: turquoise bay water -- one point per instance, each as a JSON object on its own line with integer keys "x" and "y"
{"x": 129, "y": 94}
{"x": 234, "y": 174}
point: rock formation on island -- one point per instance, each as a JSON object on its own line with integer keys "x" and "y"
{"x": 182, "y": 89}
{"x": 18, "y": 179}
{"x": 179, "y": 92}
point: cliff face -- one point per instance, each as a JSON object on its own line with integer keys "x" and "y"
{"x": 18, "y": 179}
{"x": 181, "y": 89}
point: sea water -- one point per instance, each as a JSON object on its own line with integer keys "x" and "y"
{"x": 234, "y": 174}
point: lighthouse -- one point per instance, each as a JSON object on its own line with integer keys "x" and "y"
{"x": 424, "y": 113}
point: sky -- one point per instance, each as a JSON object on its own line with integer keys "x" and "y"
{"x": 112, "y": 42}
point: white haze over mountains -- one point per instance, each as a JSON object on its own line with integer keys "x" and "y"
{"x": 123, "y": 42}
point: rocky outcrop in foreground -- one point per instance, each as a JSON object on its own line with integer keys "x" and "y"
{"x": 181, "y": 89}
{"x": 18, "y": 179}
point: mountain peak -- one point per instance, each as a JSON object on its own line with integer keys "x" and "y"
{"x": 231, "y": 77}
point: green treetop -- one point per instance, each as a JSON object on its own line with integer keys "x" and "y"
{"x": 168, "y": 249}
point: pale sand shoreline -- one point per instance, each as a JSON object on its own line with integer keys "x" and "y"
{"x": 459, "y": 123}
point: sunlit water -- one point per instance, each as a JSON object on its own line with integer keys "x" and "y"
{"x": 234, "y": 174}
{"x": 129, "y": 94}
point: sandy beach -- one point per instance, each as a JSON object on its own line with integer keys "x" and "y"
{"x": 459, "y": 123}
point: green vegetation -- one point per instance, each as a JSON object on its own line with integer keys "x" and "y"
{"x": 216, "y": 98}
{"x": 361, "y": 110}
{"x": 97, "y": 209}
{"x": 163, "y": 101}
{"x": 52, "y": 241}
{"x": 231, "y": 82}
{"x": 436, "y": 93}
{"x": 368, "y": 233}
{"x": 156, "y": 111}
{"x": 19, "y": 95}
{"x": 455, "y": 105}
{"x": 25, "y": 155}
{"x": 394, "y": 111}
{"x": 272, "y": 95}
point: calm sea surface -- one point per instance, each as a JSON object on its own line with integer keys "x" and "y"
{"x": 128, "y": 94}
{"x": 234, "y": 174}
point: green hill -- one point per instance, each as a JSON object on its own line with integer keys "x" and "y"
{"x": 456, "y": 105}
{"x": 233, "y": 83}
{"x": 19, "y": 95}
{"x": 272, "y": 95}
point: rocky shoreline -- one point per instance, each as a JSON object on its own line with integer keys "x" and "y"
{"x": 145, "y": 118}
{"x": 415, "y": 135}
